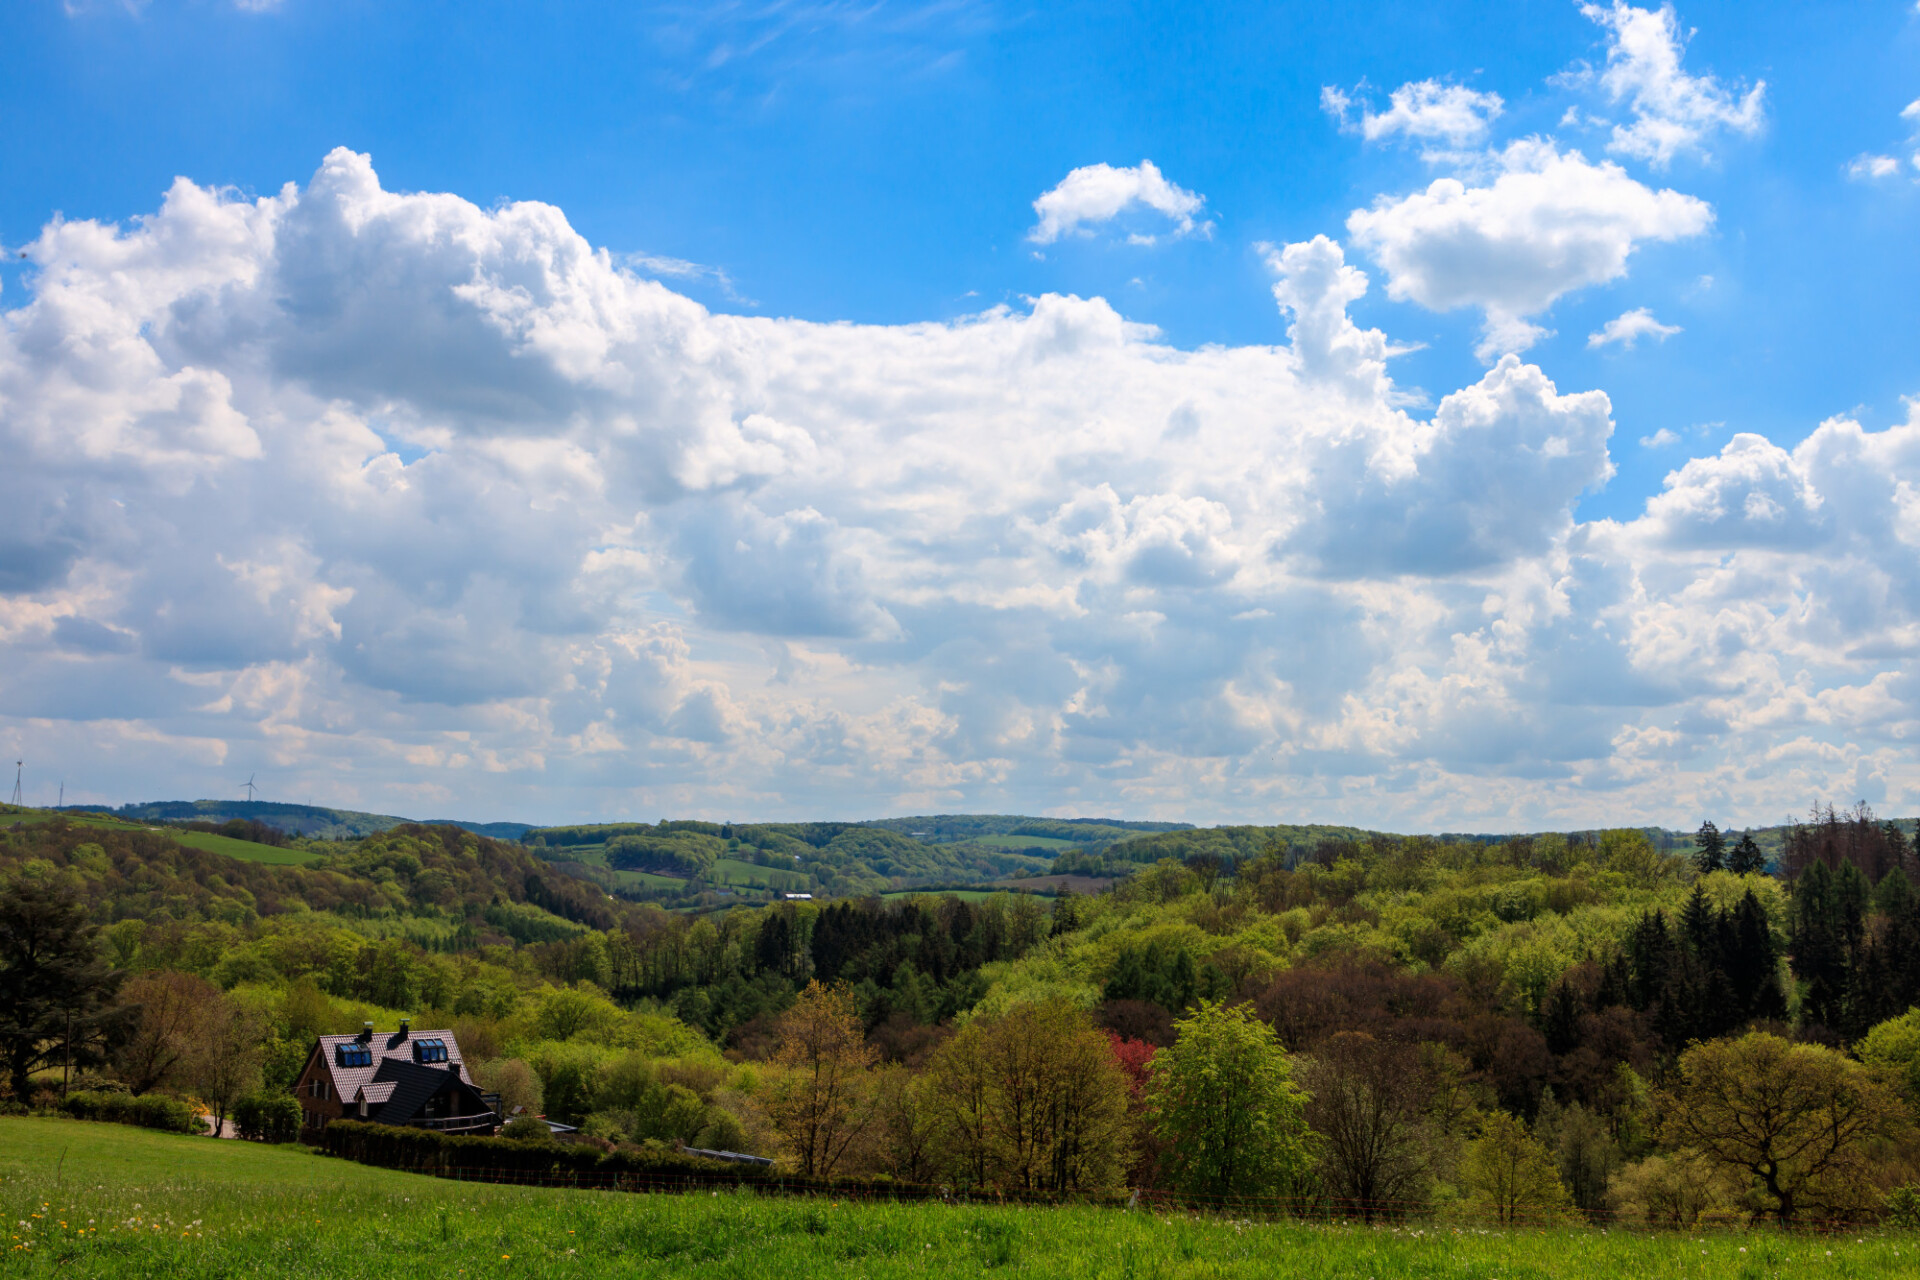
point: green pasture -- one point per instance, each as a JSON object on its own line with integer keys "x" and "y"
{"x": 206, "y": 840}
{"x": 595, "y": 855}
{"x": 732, "y": 871}
{"x": 102, "y": 1200}
{"x": 648, "y": 880}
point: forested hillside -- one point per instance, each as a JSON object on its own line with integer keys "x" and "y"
{"x": 294, "y": 819}
{"x": 1564, "y": 1001}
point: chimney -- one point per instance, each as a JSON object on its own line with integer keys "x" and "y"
{"x": 366, "y": 1031}
{"x": 404, "y": 1024}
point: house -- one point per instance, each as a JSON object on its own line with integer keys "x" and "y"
{"x": 405, "y": 1078}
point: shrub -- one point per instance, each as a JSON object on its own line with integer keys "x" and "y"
{"x": 584, "y": 1165}
{"x": 267, "y": 1117}
{"x": 148, "y": 1111}
{"x": 1900, "y": 1208}
{"x": 526, "y": 1129}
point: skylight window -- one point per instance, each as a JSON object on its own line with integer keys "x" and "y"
{"x": 430, "y": 1050}
{"x": 352, "y": 1055}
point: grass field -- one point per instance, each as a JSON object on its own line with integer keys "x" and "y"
{"x": 103, "y": 1200}
{"x": 243, "y": 849}
{"x": 732, "y": 871}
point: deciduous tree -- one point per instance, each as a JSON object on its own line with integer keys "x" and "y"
{"x": 1511, "y": 1177}
{"x": 1223, "y": 1100}
{"x": 1791, "y": 1119}
{"x": 172, "y": 1011}
{"x": 822, "y": 1100}
{"x": 1367, "y": 1104}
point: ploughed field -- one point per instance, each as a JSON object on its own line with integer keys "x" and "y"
{"x": 84, "y": 1199}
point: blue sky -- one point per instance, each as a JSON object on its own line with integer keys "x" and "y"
{"x": 1750, "y": 169}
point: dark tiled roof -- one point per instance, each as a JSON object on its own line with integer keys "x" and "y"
{"x": 412, "y": 1085}
{"x": 385, "y": 1046}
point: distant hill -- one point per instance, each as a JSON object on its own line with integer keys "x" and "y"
{"x": 294, "y": 819}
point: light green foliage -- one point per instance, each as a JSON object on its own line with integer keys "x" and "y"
{"x": 1224, "y": 1103}
{"x": 1511, "y": 1178}
{"x": 1894, "y": 1046}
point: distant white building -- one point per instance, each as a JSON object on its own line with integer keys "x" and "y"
{"x": 799, "y": 897}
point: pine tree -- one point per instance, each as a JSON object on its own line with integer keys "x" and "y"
{"x": 1753, "y": 965}
{"x": 1698, "y": 921}
{"x": 56, "y": 989}
{"x": 1710, "y": 848}
{"x": 1561, "y": 1019}
{"x": 1819, "y": 948}
{"x": 1746, "y": 858}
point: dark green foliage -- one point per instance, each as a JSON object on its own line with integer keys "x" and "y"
{"x": 56, "y": 989}
{"x": 148, "y": 1111}
{"x": 268, "y": 1116}
{"x": 566, "y": 1164}
{"x": 1745, "y": 858}
{"x": 1710, "y": 848}
{"x": 1714, "y": 973}
{"x": 1166, "y": 976}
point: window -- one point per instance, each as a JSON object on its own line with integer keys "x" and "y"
{"x": 430, "y": 1050}
{"x": 352, "y": 1055}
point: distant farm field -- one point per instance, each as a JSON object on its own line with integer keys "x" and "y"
{"x": 732, "y": 871}
{"x": 244, "y": 849}
{"x": 103, "y": 1200}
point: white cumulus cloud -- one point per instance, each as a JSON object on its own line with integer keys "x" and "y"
{"x": 1673, "y": 112}
{"x": 1627, "y": 328}
{"x": 410, "y": 504}
{"x": 1547, "y": 223}
{"x": 1099, "y": 193}
{"x": 1428, "y": 110}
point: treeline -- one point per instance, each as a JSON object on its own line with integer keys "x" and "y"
{"x": 1586, "y": 1009}
{"x": 842, "y": 857}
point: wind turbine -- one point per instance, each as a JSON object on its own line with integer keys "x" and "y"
{"x": 248, "y": 784}
{"x": 18, "y": 765}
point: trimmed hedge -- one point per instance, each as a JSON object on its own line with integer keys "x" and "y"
{"x": 267, "y": 1117}
{"x": 578, "y": 1165}
{"x": 149, "y": 1111}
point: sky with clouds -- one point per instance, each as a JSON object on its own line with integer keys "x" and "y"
{"x": 1477, "y": 417}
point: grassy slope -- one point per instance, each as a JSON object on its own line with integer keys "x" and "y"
{"x": 234, "y": 1209}
{"x": 244, "y": 849}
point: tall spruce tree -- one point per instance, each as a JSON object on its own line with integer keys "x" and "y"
{"x": 1746, "y": 858}
{"x": 1753, "y": 965}
{"x": 1819, "y": 947}
{"x": 1710, "y": 848}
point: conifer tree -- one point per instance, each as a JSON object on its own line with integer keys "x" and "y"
{"x": 1710, "y": 848}
{"x": 1746, "y": 858}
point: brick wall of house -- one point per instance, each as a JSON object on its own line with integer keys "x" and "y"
{"x": 317, "y": 1110}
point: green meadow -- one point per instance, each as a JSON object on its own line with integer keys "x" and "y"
{"x": 205, "y": 840}
{"x": 733, "y": 871}
{"x": 102, "y": 1200}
